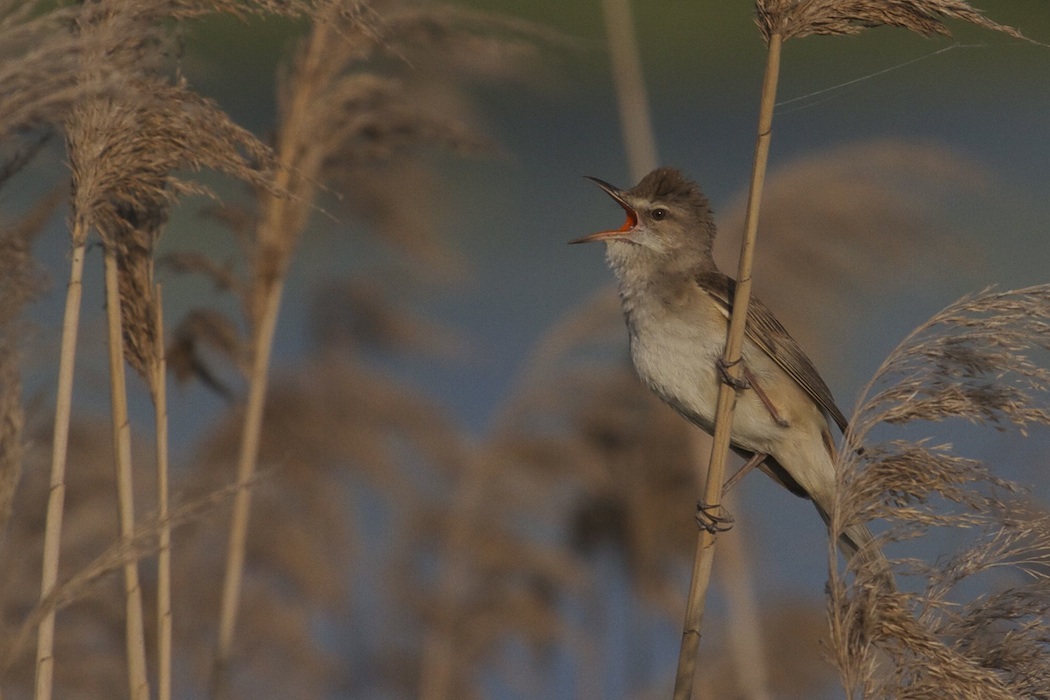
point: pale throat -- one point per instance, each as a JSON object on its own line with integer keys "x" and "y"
{"x": 639, "y": 269}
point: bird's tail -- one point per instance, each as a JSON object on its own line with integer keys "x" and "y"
{"x": 857, "y": 542}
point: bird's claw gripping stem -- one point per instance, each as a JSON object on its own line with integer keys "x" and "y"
{"x": 748, "y": 381}
{"x": 713, "y": 523}
{"x": 738, "y": 383}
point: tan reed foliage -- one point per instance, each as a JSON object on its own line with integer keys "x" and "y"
{"x": 836, "y": 219}
{"x": 779, "y": 21}
{"x": 625, "y": 458}
{"x": 123, "y": 152}
{"x": 45, "y": 75}
{"x": 20, "y": 283}
{"x": 798, "y": 18}
{"x": 90, "y": 634}
{"x": 980, "y": 361}
{"x": 498, "y": 582}
{"x": 156, "y": 130}
{"x": 93, "y": 24}
{"x": 371, "y": 87}
{"x": 329, "y": 423}
{"x": 89, "y": 641}
{"x": 41, "y": 68}
{"x": 47, "y": 69}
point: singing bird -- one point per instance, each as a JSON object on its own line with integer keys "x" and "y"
{"x": 676, "y": 304}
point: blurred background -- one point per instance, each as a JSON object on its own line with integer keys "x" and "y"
{"x": 503, "y": 511}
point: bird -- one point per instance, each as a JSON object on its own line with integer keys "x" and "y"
{"x": 676, "y": 304}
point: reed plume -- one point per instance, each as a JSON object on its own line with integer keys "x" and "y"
{"x": 20, "y": 282}
{"x": 780, "y": 21}
{"x": 42, "y": 72}
{"x": 372, "y": 86}
{"x": 792, "y": 19}
{"x": 579, "y": 422}
{"x": 124, "y": 149}
{"x": 329, "y": 422}
{"x": 976, "y": 624}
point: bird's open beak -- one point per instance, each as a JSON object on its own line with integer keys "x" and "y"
{"x": 628, "y": 225}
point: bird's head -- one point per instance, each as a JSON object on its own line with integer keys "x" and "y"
{"x": 669, "y": 222}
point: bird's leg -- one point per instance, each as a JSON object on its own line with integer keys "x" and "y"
{"x": 753, "y": 383}
{"x": 738, "y": 383}
{"x": 711, "y": 522}
{"x": 748, "y": 381}
{"x": 752, "y": 462}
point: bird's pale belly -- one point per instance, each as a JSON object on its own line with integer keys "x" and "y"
{"x": 679, "y": 365}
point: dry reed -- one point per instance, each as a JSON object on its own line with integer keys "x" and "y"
{"x": 88, "y": 644}
{"x": 977, "y": 625}
{"x": 627, "y": 459}
{"x": 720, "y": 438}
{"x": 124, "y": 148}
{"x": 44, "y": 80}
{"x": 326, "y": 113}
{"x": 89, "y": 637}
{"x": 331, "y": 422}
{"x": 20, "y": 283}
{"x": 792, "y": 19}
{"x": 879, "y": 202}
{"x": 778, "y": 21}
{"x": 159, "y": 129}
{"x": 369, "y": 90}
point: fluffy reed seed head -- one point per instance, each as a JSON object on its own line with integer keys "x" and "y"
{"x": 798, "y": 18}
{"x": 983, "y": 360}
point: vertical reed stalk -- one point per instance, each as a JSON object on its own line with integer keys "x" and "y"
{"x": 136, "y": 640}
{"x": 704, "y": 556}
{"x": 160, "y": 414}
{"x": 744, "y": 632}
{"x": 45, "y": 662}
{"x": 282, "y": 221}
{"x": 635, "y": 121}
{"x": 640, "y": 146}
{"x": 248, "y": 457}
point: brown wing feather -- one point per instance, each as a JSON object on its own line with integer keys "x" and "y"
{"x": 765, "y": 331}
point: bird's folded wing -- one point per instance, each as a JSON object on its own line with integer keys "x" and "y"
{"x": 765, "y": 331}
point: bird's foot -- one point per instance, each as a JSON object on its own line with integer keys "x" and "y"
{"x": 713, "y": 522}
{"x": 738, "y": 383}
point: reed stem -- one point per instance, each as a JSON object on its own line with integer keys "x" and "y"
{"x": 242, "y": 501}
{"x": 45, "y": 662}
{"x": 160, "y": 415}
{"x": 704, "y": 555}
{"x": 135, "y": 634}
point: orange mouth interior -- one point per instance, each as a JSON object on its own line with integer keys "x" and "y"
{"x": 632, "y": 219}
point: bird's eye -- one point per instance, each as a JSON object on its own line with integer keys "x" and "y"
{"x": 659, "y": 214}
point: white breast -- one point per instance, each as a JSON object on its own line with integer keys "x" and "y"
{"x": 675, "y": 354}
{"x": 676, "y": 359}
